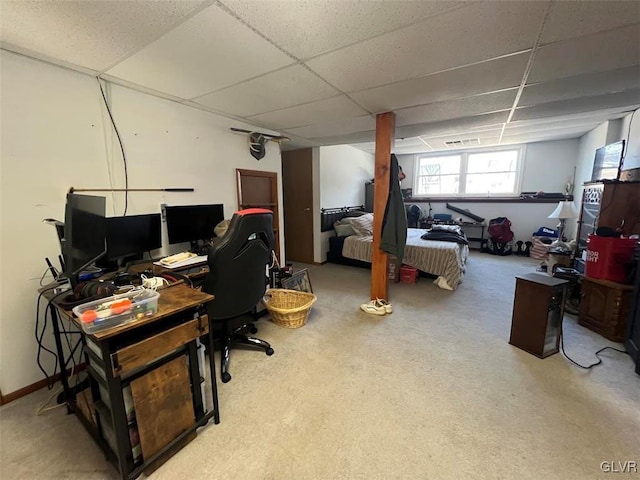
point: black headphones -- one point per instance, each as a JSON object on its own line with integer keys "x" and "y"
{"x": 88, "y": 291}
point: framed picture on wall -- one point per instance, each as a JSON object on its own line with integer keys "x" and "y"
{"x": 298, "y": 281}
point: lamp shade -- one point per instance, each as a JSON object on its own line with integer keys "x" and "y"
{"x": 565, "y": 209}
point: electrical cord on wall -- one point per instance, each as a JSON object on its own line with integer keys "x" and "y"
{"x": 124, "y": 157}
{"x": 626, "y": 145}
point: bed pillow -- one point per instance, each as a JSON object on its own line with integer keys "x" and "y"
{"x": 363, "y": 225}
{"x": 447, "y": 228}
{"x": 343, "y": 230}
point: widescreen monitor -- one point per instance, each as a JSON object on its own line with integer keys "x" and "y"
{"x": 84, "y": 233}
{"x": 132, "y": 235}
{"x": 606, "y": 165}
{"x": 192, "y": 223}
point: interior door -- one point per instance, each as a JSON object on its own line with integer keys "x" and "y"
{"x": 297, "y": 192}
{"x": 257, "y": 189}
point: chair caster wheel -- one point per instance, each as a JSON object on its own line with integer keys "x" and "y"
{"x": 253, "y": 330}
{"x": 269, "y": 351}
{"x": 226, "y": 377}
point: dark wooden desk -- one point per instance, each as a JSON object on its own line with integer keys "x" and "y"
{"x": 144, "y": 381}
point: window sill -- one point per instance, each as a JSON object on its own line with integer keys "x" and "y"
{"x": 486, "y": 199}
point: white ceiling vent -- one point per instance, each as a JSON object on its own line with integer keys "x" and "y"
{"x": 467, "y": 142}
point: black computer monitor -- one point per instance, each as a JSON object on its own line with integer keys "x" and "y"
{"x": 84, "y": 234}
{"x": 192, "y": 223}
{"x": 132, "y": 236}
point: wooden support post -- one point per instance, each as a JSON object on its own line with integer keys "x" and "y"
{"x": 385, "y": 131}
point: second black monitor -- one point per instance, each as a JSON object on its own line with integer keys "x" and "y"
{"x": 133, "y": 235}
{"x": 192, "y": 223}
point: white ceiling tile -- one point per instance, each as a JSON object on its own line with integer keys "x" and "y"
{"x": 521, "y": 128}
{"x": 308, "y": 28}
{"x": 335, "y": 127}
{"x": 484, "y": 77}
{"x": 575, "y": 19}
{"x": 569, "y": 130}
{"x": 478, "y": 32}
{"x": 604, "y": 51}
{"x": 90, "y": 34}
{"x": 578, "y": 105}
{"x": 210, "y": 51}
{"x": 582, "y": 85}
{"x": 457, "y": 125}
{"x": 541, "y": 137}
{"x": 595, "y": 116}
{"x": 408, "y": 142}
{"x": 489, "y": 132}
{"x": 458, "y": 108}
{"x": 369, "y": 147}
{"x": 280, "y": 89}
{"x": 311, "y": 113}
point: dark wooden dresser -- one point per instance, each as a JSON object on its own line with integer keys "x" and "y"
{"x": 604, "y": 307}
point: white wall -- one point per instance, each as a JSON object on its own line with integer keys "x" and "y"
{"x": 344, "y": 170}
{"x": 547, "y": 167}
{"x": 56, "y": 135}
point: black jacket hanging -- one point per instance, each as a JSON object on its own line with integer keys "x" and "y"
{"x": 394, "y": 223}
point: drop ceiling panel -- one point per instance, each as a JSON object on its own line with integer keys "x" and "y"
{"x": 90, "y": 34}
{"x": 578, "y": 105}
{"x": 335, "y": 127}
{"x": 482, "y": 134}
{"x": 455, "y": 126}
{"x": 581, "y": 86}
{"x": 483, "y": 77}
{"x": 576, "y": 19}
{"x": 458, "y": 108}
{"x": 550, "y": 127}
{"x": 306, "y": 29}
{"x": 310, "y": 113}
{"x": 596, "y": 116}
{"x": 280, "y": 89}
{"x": 210, "y": 51}
{"x": 597, "y": 53}
{"x": 573, "y": 131}
{"x": 478, "y": 32}
{"x": 440, "y": 145}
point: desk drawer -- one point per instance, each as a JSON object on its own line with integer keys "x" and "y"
{"x": 134, "y": 356}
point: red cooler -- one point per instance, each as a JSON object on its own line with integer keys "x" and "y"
{"x": 608, "y": 258}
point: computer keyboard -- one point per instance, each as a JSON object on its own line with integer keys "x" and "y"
{"x": 177, "y": 258}
{"x": 180, "y": 260}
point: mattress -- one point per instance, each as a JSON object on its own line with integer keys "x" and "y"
{"x": 447, "y": 260}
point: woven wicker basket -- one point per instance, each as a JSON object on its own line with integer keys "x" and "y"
{"x": 288, "y": 308}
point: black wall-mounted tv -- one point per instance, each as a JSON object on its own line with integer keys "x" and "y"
{"x": 606, "y": 165}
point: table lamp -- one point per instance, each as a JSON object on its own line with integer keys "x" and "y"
{"x": 563, "y": 211}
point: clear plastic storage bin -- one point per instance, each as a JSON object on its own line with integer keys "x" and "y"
{"x": 116, "y": 310}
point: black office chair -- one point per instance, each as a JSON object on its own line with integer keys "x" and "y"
{"x": 237, "y": 277}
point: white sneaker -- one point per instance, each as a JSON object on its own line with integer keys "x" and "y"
{"x": 384, "y": 304}
{"x": 373, "y": 308}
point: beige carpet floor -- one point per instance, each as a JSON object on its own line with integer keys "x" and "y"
{"x": 432, "y": 391}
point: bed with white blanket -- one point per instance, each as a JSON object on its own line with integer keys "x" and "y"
{"x": 446, "y": 260}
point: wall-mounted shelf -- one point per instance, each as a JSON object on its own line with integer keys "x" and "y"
{"x": 486, "y": 200}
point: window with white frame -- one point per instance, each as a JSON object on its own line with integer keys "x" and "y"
{"x": 474, "y": 173}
